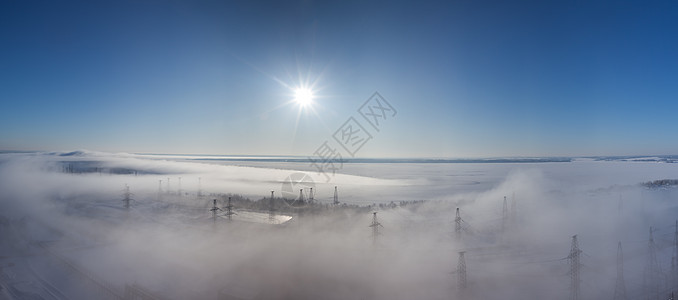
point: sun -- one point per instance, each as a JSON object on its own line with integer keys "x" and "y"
{"x": 303, "y": 97}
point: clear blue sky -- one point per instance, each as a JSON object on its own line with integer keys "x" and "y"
{"x": 468, "y": 78}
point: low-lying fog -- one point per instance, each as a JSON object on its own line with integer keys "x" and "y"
{"x": 65, "y": 233}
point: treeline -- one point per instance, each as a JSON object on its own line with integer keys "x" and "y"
{"x": 660, "y": 183}
{"x": 284, "y": 205}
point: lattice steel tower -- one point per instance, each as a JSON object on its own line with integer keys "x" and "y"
{"x": 620, "y": 285}
{"x": 159, "y": 189}
{"x": 575, "y": 265}
{"x": 461, "y": 272}
{"x": 229, "y": 209}
{"x": 126, "y": 197}
{"x": 214, "y": 210}
{"x": 651, "y": 276}
{"x": 271, "y": 209}
{"x": 457, "y": 225}
{"x": 375, "y": 227}
{"x": 504, "y": 215}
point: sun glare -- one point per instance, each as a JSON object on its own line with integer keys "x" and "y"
{"x": 303, "y": 97}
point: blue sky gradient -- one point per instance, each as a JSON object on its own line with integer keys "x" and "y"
{"x": 468, "y": 78}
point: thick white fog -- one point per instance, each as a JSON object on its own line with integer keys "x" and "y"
{"x": 65, "y": 232}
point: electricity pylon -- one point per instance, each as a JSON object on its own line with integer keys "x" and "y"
{"x": 620, "y": 285}
{"x": 126, "y": 197}
{"x": 214, "y": 210}
{"x": 159, "y": 189}
{"x": 457, "y": 225}
{"x": 575, "y": 265}
{"x": 271, "y": 209}
{"x": 375, "y": 227}
{"x": 229, "y": 209}
{"x": 461, "y": 272}
{"x": 504, "y": 216}
{"x": 651, "y": 276}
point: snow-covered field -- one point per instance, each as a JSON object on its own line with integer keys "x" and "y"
{"x": 64, "y": 233}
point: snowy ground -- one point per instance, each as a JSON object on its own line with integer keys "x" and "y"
{"x": 64, "y": 233}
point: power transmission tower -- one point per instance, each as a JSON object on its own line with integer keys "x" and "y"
{"x": 620, "y": 285}
{"x": 126, "y": 197}
{"x": 271, "y": 209}
{"x": 159, "y": 189}
{"x": 335, "y": 201}
{"x": 229, "y": 209}
{"x": 457, "y": 225}
{"x": 461, "y": 272}
{"x": 575, "y": 265}
{"x": 214, "y": 210}
{"x": 375, "y": 227}
{"x": 651, "y": 275}
{"x": 504, "y": 216}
